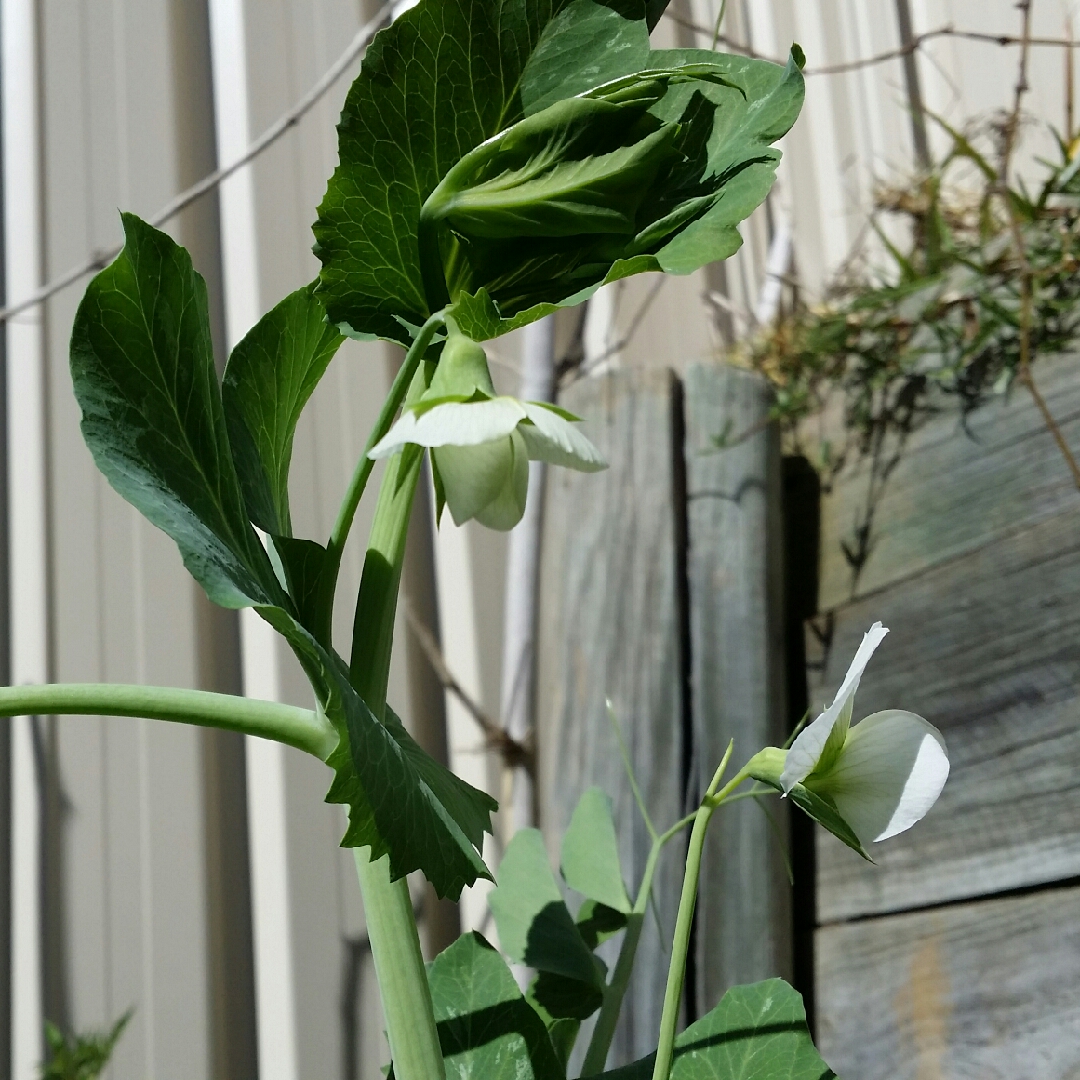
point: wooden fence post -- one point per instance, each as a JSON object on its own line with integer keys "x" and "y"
{"x": 735, "y": 593}
{"x": 646, "y": 593}
{"x": 609, "y": 627}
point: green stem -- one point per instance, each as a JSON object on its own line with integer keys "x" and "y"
{"x": 604, "y": 1032}
{"x": 677, "y": 968}
{"x": 301, "y": 728}
{"x": 391, "y": 925}
{"x": 335, "y": 546}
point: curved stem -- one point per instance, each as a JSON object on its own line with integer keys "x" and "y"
{"x": 301, "y": 728}
{"x": 335, "y": 546}
{"x": 687, "y": 901}
{"x": 604, "y": 1032}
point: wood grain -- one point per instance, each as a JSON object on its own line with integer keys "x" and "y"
{"x": 985, "y": 648}
{"x": 985, "y": 991}
{"x": 609, "y": 628}
{"x": 743, "y": 919}
{"x": 953, "y": 492}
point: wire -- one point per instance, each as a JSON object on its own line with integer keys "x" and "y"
{"x": 270, "y": 136}
{"x": 1001, "y": 40}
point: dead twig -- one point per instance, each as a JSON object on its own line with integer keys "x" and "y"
{"x": 515, "y": 755}
{"x": 1001, "y": 40}
{"x": 1028, "y": 277}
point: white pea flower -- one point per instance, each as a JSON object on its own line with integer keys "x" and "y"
{"x": 881, "y": 775}
{"x": 481, "y": 442}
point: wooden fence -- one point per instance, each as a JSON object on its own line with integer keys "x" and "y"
{"x": 663, "y": 589}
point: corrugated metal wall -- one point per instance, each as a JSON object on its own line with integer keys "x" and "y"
{"x": 145, "y": 828}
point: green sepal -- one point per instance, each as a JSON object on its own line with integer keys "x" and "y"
{"x": 767, "y": 765}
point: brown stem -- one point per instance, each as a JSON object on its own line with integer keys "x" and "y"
{"x": 515, "y": 754}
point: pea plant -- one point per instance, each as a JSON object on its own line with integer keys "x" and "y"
{"x": 499, "y": 159}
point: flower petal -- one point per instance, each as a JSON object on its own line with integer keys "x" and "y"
{"x": 807, "y": 750}
{"x": 890, "y": 772}
{"x": 474, "y": 476}
{"x": 508, "y": 507}
{"x": 552, "y": 438}
{"x": 466, "y": 423}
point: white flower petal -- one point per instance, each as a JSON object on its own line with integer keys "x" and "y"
{"x": 808, "y": 747}
{"x": 891, "y": 771}
{"x": 398, "y": 437}
{"x": 455, "y": 423}
{"x": 474, "y": 476}
{"x": 552, "y": 438}
{"x": 508, "y": 507}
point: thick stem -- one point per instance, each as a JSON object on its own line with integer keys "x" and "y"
{"x": 335, "y": 546}
{"x": 301, "y": 728}
{"x": 399, "y": 968}
{"x": 604, "y": 1032}
{"x": 391, "y": 925}
{"x": 687, "y": 901}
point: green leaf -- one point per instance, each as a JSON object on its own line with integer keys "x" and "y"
{"x": 588, "y": 43}
{"x": 445, "y": 76}
{"x": 459, "y": 74}
{"x": 536, "y": 928}
{"x": 598, "y": 922}
{"x": 757, "y": 1032}
{"x": 402, "y": 802}
{"x": 152, "y": 416}
{"x": 721, "y": 115}
{"x": 303, "y": 562}
{"x": 487, "y": 1030}
{"x": 590, "y": 853}
{"x": 268, "y": 380}
{"x": 143, "y": 373}
{"x": 740, "y": 152}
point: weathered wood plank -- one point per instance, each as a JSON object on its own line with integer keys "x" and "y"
{"x": 984, "y": 991}
{"x": 608, "y": 628}
{"x": 984, "y": 647}
{"x": 951, "y": 493}
{"x": 734, "y": 570}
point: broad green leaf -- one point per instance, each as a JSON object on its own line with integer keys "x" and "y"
{"x": 268, "y": 380}
{"x": 142, "y": 366}
{"x": 487, "y": 1030}
{"x": 445, "y": 76}
{"x": 152, "y": 416}
{"x": 302, "y": 563}
{"x": 757, "y": 1032}
{"x": 536, "y": 928}
{"x": 588, "y": 43}
{"x": 590, "y": 853}
{"x": 725, "y": 113}
{"x": 402, "y": 803}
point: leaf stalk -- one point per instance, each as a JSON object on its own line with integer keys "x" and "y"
{"x": 300, "y": 728}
